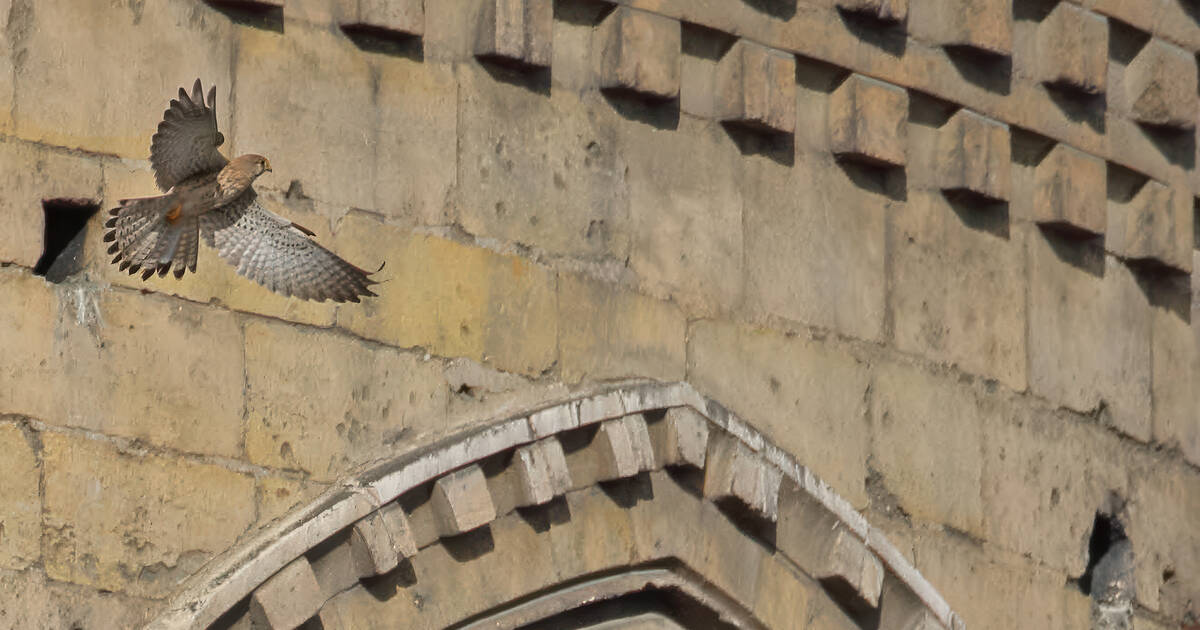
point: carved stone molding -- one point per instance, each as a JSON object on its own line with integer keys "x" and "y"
{"x": 464, "y": 492}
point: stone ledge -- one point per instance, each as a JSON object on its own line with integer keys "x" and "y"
{"x": 857, "y": 557}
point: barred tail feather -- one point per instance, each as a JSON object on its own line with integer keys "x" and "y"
{"x": 142, "y": 237}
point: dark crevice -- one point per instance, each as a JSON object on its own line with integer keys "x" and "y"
{"x": 64, "y": 236}
{"x": 1125, "y": 41}
{"x": 385, "y": 42}
{"x": 253, "y": 14}
{"x": 886, "y": 35}
{"x": 875, "y": 176}
{"x": 1079, "y": 106}
{"x": 656, "y": 111}
{"x": 782, "y": 9}
{"x": 705, "y": 42}
{"x": 779, "y": 147}
{"x": 988, "y": 70}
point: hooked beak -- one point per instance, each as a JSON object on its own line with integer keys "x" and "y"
{"x": 267, "y": 165}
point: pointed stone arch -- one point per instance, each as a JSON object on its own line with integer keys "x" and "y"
{"x": 646, "y": 503}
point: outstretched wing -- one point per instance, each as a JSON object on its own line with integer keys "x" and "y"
{"x": 279, "y": 254}
{"x": 187, "y": 139}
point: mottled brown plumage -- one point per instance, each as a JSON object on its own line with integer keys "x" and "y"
{"x": 205, "y": 194}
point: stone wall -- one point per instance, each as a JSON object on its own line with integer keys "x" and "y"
{"x": 938, "y": 251}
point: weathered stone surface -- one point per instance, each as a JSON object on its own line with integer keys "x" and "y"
{"x": 1163, "y": 499}
{"x": 1160, "y": 85}
{"x": 180, "y": 380}
{"x": 804, "y": 396}
{"x": 982, "y": 24}
{"x": 542, "y": 471}
{"x": 958, "y": 291}
{"x": 541, "y": 170}
{"x": 21, "y": 514}
{"x": 30, "y": 174}
{"x": 390, "y": 148}
{"x": 638, "y": 51}
{"x": 1069, "y": 190}
{"x": 928, "y": 442}
{"x": 901, "y": 609}
{"x": 520, "y": 31}
{"x": 685, "y": 215}
{"x": 372, "y": 546}
{"x": 812, "y": 537}
{"x": 29, "y": 317}
{"x": 783, "y": 595}
{"x": 610, "y": 332}
{"x": 1072, "y": 49}
{"x": 455, "y": 299}
{"x": 461, "y": 501}
{"x": 1044, "y": 477}
{"x": 884, "y": 10}
{"x": 868, "y": 121}
{"x": 1078, "y": 296}
{"x": 404, "y": 17}
{"x": 756, "y": 86}
{"x": 1155, "y": 225}
{"x": 979, "y": 584}
{"x": 153, "y": 33}
{"x": 137, "y": 524}
{"x": 976, "y": 156}
{"x": 372, "y": 399}
{"x": 681, "y": 438}
{"x": 278, "y": 495}
{"x": 733, "y": 471}
{"x": 29, "y": 600}
{"x": 796, "y": 246}
{"x": 1176, "y": 364}
{"x": 288, "y": 598}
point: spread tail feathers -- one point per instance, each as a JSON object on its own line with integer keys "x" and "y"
{"x": 148, "y": 235}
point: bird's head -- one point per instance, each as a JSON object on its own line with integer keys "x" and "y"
{"x": 253, "y": 164}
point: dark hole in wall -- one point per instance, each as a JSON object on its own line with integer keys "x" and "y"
{"x": 63, "y": 238}
{"x": 1108, "y": 536}
{"x": 1196, "y": 223}
{"x": 250, "y": 13}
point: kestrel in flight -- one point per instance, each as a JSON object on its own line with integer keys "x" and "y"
{"x": 210, "y": 196}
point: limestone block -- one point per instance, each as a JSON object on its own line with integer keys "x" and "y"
{"x": 1164, "y": 498}
{"x": 379, "y": 540}
{"x": 461, "y": 501}
{"x": 1155, "y": 225}
{"x": 28, "y": 175}
{"x": 336, "y": 567}
{"x": 552, "y": 420}
{"x": 976, "y": 156}
{"x": 639, "y": 440}
{"x": 620, "y": 452}
{"x": 375, "y": 394}
{"x": 1160, "y": 85}
{"x": 540, "y": 170}
{"x": 1078, "y": 295}
{"x": 97, "y": 501}
{"x": 868, "y": 121}
{"x": 883, "y": 10}
{"x": 519, "y": 31}
{"x": 403, "y": 17}
{"x": 681, "y": 438}
{"x": 1176, "y": 368}
{"x": 122, "y": 122}
{"x": 756, "y": 86}
{"x": 795, "y": 248}
{"x": 685, "y": 213}
{"x": 782, "y": 596}
{"x": 600, "y": 407}
{"x": 984, "y": 24}
{"x": 29, "y": 319}
{"x": 20, "y": 500}
{"x": 611, "y": 332}
{"x": 1072, "y": 49}
{"x": 287, "y": 599}
{"x": 734, "y": 471}
{"x": 541, "y": 472}
{"x": 29, "y": 600}
{"x": 1069, "y": 190}
{"x": 901, "y": 609}
{"x": 927, "y": 437}
{"x": 804, "y": 396}
{"x": 823, "y": 547}
{"x": 458, "y": 300}
{"x": 957, "y": 292}
{"x": 639, "y": 52}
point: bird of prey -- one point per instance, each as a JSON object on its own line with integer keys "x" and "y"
{"x": 207, "y": 195}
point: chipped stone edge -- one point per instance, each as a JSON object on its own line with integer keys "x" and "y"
{"x": 232, "y": 577}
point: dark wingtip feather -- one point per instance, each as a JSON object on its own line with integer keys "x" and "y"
{"x": 114, "y": 248}
{"x": 212, "y": 96}
{"x": 198, "y": 93}
{"x": 116, "y": 258}
{"x": 179, "y": 272}
{"x": 124, "y": 265}
{"x": 114, "y": 212}
{"x": 163, "y": 269}
{"x": 111, "y": 223}
{"x": 146, "y": 274}
{"x": 110, "y": 236}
